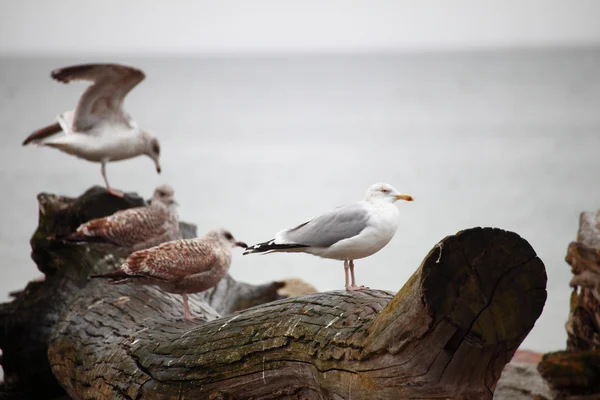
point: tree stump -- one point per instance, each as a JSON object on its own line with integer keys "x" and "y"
{"x": 576, "y": 371}
{"x": 446, "y": 334}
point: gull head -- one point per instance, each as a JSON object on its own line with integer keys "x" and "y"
{"x": 164, "y": 194}
{"x": 225, "y": 237}
{"x": 384, "y": 192}
{"x": 152, "y": 148}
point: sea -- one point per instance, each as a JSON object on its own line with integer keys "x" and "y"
{"x": 257, "y": 144}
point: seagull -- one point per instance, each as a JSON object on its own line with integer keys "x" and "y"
{"x": 346, "y": 233}
{"x": 136, "y": 228}
{"x": 99, "y": 130}
{"x": 181, "y": 266}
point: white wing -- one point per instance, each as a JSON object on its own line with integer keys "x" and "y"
{"x": 103, "y": 100}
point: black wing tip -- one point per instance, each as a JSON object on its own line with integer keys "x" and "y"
{"x": 113, "y": 276}
{"x": 28, "y": 140}
{"x": 79, "y": 238}
{"x": 63, "y": 74}
{"x": 66, "y": 74}
{"x": 68, "y": 239}
{"x": 270, "y": 245}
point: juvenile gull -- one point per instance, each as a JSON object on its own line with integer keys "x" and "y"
{"x": 135, "y": 228}
{"x": 182, "y": 266}
{"x": 99, "y": 130}
{"x": 346, "y": 233}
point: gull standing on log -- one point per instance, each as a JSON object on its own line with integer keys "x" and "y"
{"x": 136, "y": 228}
{"x": 182, "y": 266}
{"x": 346, "y": 233}
{"x": 99, "y": 130}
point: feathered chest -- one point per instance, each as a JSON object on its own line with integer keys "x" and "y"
{"x": 385, "y": 219}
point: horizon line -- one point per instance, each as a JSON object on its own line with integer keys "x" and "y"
{"x": 275, "y": 53}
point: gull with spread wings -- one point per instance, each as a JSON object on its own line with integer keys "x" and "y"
{"x": 99, "y": 130}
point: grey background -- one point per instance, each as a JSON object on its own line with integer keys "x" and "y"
{"x": 274, "y": 26}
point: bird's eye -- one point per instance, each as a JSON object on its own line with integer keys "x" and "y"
{"x": 228, "y": 236}
{"x": 162, "y": 194}
{"x": 156, "y": 149}
{"x": 385, "y": 190}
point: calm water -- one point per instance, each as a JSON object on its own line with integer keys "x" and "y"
{"x": 257, "y": 145}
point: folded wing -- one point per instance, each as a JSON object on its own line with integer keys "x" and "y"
{"x": 172, "y": 261}
{"x": 126, "y": 228}
{"x": 327, "y": 229}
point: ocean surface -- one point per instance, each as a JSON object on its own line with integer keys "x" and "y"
{"x": 256, "y": 145}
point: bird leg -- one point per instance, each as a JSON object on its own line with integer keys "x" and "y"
{"x": 114, "y": 192}
{"x": 353, "y": 285}
{"x": 346, "y": 267}
{"x": 186, "y": 308}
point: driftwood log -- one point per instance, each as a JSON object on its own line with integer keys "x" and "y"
{"x": 575, "y": 373}
{"x": 447, "y": 333}
{"x": 27, "y": 323}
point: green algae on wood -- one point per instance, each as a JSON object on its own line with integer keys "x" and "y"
{"x": 439, "y": 336}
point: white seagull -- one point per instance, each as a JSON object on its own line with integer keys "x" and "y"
{"x": 347, "y": 233}
{"x": 99, "y": 130}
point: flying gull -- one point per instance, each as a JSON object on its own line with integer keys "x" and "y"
{"x": 182, "y": 266}
{"x": 346, "y": 233}
{"x": 99, "y": 130}
{"x": 137, "y": 228}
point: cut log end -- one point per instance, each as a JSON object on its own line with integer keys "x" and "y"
{"x": 476, "y": 296}
{"x": 448, "y": 332}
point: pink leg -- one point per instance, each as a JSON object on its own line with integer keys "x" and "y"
{"x": 353, "y": 286}
{"x": 346, "y": 268}
{"x": 114, "y": 192}
{"x": 186, "y": 308}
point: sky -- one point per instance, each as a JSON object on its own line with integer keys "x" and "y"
{"x": 281, "y": 26}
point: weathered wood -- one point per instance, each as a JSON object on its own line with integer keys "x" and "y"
{"x": 26, "y": 323}
{"x": 447, "y": 333}
{"x": 576, "y": 372}
{"x": 583, "y": 255}
{"x": 572, "y": 374}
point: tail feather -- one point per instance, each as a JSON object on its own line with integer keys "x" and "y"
{"x": 270, "y": 247}
{"x": 42, "y": 133}
{"x": 118, "y": 276}
{"x": 78, "y": 237}
{"x": 114, "y": 276}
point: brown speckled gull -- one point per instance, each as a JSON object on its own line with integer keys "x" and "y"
{"x": 182, "y": 266}
{"x": 135, "y": 228}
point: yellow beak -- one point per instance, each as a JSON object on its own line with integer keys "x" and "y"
{"x": 406, "y": 197}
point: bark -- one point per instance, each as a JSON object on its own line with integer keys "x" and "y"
{"x": 583, "y": 325}
{"x": 572, "y": 374}
{"x": 576, "y": 372}
{"x": 447, "y": 333}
